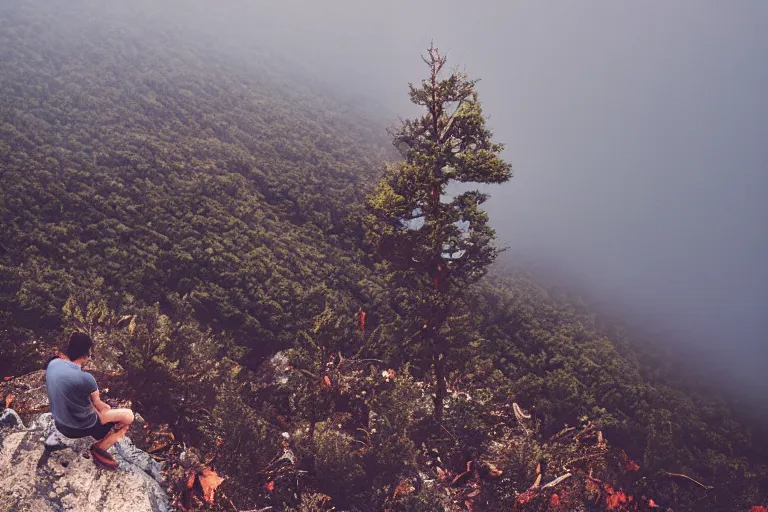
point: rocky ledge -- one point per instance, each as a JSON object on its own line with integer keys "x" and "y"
{"x": 40, "y": 471}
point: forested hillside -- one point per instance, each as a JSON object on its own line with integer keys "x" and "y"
{"x": 200, "y": 213}
{"x": 140, "y": 165}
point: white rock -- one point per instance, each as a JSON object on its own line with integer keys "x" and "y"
{"x": 35, "y": 479}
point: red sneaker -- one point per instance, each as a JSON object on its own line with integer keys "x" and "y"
{"x": 102, "y": 458}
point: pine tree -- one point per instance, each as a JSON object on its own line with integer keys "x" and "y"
{"x": 433, "y": 245}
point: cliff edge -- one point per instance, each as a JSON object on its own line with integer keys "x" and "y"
{"x": 40, "y": 472}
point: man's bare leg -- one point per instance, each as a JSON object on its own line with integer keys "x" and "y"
{"x": 122, "y": 418}
{"x": 112, "y": 438}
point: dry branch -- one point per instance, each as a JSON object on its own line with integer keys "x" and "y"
{"x": 679, "y": 475}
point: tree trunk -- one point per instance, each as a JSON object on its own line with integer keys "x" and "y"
{"x": 312, "y": 422}
{"x": 440, "y": 386}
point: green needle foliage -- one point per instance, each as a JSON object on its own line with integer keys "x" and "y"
{"x": 435, "y": 246}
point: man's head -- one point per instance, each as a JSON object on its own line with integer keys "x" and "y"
{"x": 79, "y": 346}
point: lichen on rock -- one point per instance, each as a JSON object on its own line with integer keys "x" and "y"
{"x": 36, "y": 478}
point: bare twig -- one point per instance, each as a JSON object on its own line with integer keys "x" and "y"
{"x": 556, "y": 481}
{"x": 447, "y": 432}
{"x": 679, "y": 475}
{"x": 591, "y": 455}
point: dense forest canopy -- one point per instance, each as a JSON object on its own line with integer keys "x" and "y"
{"x": 218, "y": 203}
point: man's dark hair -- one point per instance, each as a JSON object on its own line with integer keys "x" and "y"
{"x": 79, "y": 346}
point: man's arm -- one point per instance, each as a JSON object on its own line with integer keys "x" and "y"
{"x": 97, "y": 403}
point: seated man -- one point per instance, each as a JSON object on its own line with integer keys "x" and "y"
{"x": 75, "y": 404}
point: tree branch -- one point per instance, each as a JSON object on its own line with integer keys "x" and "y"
{"x": 679, "y": 475}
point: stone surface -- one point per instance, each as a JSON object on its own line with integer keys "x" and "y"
{"x": 35, "y": 479}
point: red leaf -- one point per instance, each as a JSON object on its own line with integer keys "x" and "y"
{"x": 652, "y": 504}
{"x": 526, "y": 496}
{"x": 493, "y": 471}
{"x": 614, "y": 500}
{"x": 191, "y": 480}
{"x": 629, "y": 464}
{"x": 758, "y": 508}
{"x": 362, "y": 320}
{"x": 554, "y": 501}
{"x": 403, "y": 488}
{"x": 474, "y": 493}
{"x": 209, "y": 481}
{"x": 270, "y": 486}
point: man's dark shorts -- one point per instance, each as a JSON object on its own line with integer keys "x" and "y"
{"x": 98, "y": 431}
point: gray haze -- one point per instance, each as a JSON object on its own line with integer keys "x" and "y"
{"x": 638, "y": 132}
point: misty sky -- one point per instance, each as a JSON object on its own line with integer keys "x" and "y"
{"x": 638, "y": 132}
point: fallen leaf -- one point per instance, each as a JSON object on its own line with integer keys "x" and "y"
{"x": 493, "y": 471}
{"x": 158, "y": 445}
{"x": 614, "y": 500}
{"x": 652, "y": 504}
{"x": 593, "y": 490}
{"x": 758, "y": 509}
{"x": 554, "y": 501}
{"x": 403, "y": 488}
{"x": 473, "y": 493}
{"x": 327, "y": 381}
{"x": 629, "y": 465}
{"x": 526, "y": 496}
{"x": 191, "y": 480}
{"x": 6, "y": 379}
{"x": 209, "y": 481}
{"x": 8, "y": 400}
{"x": 270, "y": 486}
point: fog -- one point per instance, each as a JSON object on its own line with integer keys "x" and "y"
{"x": 638, "y": 132}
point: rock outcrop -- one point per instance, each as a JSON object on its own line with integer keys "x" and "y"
{"x": 36, "y": 477}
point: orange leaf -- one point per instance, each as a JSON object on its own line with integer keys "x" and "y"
{"x": 209, "y": 481}
{"x": 614, "y": 500}
{"x": 327, "y": 381}
{"x": 191, "y": 480}
{"x": 404, "y": 488}
{"x": 473, "y": 493}
{"x": 493, "y": 471}
{"x": 629, "y": 464}
{"x": 8, "y": 401}
{"x": 270, "y": 486}
{"x": 158, "y": 446}
{"x": 652, "y": 504}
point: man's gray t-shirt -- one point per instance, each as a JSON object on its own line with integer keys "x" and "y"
{"x": 69, "y": 389}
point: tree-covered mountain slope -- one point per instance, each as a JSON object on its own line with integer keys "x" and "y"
{"x": 200, "y": 213}
{"x": 139, "y": 165}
